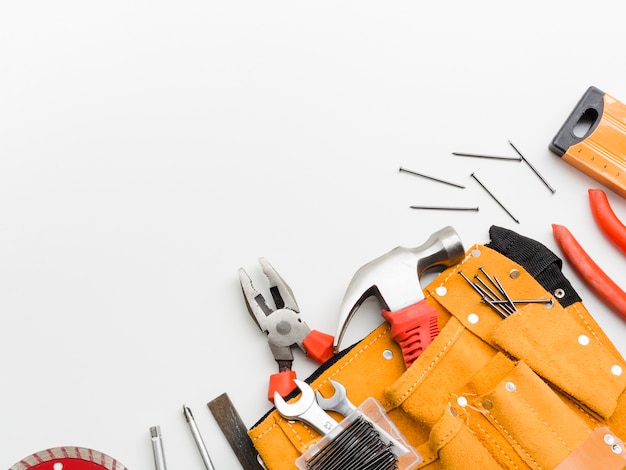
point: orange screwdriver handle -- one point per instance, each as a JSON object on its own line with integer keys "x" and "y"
{"x": 281, "y": 382}
{"x": 413, "y": 328}
{"x": 319, "y": 346}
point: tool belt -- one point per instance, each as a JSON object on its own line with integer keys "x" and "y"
{"x": 542, "y": 388}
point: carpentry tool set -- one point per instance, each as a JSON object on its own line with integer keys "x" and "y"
{"x": 516, "y": 374}
{"x": 495, "y": 363}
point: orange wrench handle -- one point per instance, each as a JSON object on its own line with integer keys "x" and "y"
{"x": 319, "y": 346}
{"x": 281, "y": 382}
{"x": 413, "y": 328}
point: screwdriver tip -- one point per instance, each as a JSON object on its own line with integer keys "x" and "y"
{"x": 187, "y": 413}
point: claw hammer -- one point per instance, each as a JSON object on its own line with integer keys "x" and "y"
{"x": 394, "y": 279}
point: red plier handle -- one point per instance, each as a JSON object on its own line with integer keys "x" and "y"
{"x": 318, "y": 346}
{"x": 595, "y": 278}
{"x": 607, "y": 220}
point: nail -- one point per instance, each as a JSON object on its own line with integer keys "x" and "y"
{"x": 491, "y": 157}
{"x": 445, "y": 208}
{"x": 404, "y": 170}
{"x": 494, "y": 198}
{"x": 543, "y": 180}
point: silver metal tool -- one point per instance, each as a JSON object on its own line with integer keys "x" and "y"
{"x": 157, "y": 448}
{"x": 283, "y": 326}
{"x": 236, "y": 432}
{"x": 338, "y": 402}
{"x": 197, "y": 437}
{"x": 306, "y": 409}
{"x": 394, "y": 279}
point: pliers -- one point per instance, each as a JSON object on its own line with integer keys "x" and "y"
{"x": 284, "y": 328}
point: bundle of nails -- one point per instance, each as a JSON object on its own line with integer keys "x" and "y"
{"x": 357, "y": 447}
{"x": 493, "y": 294}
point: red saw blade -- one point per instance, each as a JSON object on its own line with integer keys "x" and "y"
{"x": 68, "y": 458}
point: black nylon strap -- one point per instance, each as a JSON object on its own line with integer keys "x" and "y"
{"x": 537, "y": 259}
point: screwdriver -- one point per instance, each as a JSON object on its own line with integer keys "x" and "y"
{"x": 195, "y": 432}
{"x": 157, "y": 448}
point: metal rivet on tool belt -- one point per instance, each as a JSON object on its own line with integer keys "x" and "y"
{"x": 609, "y": 439}
{"x": 514, "y": 273}
{"x": 388, "y": 354}
{"x": 472, "y": 318}
{"x": 583, "y": 340}
{"x": 462, "y": 401}
{"x": 559, "y": 293}
{"x": 616, "y": 370}
{"x": 476, "y": 253}
{"x": 441, "y": 291}
{"x": 487, "y": 404}
{"x": 510, "y": 386}
{"x": 617, "y": 449}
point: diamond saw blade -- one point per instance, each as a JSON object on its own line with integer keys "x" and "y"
{"x": 68, "y": 458}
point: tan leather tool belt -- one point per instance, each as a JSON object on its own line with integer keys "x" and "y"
{"x": 541, "y": 388}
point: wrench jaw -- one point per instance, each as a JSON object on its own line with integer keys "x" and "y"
{"x": 338, "y": 401}
{"x": 305, "y": 409}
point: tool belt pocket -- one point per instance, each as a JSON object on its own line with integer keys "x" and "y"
{"x": 525, "y": 389}
{"x": 492, "y": 411}
{"x": 568, "y": 354}
{"x": 562, "y": 344}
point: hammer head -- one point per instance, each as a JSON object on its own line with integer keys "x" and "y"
{"x": 394, "y": 278}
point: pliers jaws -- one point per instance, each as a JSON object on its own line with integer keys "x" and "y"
{"x": 283, "y": 326}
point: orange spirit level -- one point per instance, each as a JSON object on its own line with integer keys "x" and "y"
{"x": 593, "y": 139}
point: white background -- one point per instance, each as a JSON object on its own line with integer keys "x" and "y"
{"x": 150, "y": 149}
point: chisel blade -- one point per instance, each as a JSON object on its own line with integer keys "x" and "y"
{"x": 235, "y": 431}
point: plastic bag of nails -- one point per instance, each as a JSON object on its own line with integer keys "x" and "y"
{"x": 367, "y": 438}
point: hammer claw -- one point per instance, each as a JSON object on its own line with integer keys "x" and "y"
{"x": 393, "y": 278}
